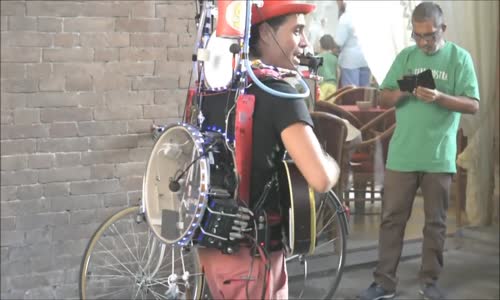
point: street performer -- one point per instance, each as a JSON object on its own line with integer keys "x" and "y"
{"x": 279, "y": 124}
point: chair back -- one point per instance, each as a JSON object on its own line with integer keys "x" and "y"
{"x": 331, "y": 97}
{"x": 351, "y": 96}
{"x": 334, "y": 109}
{"x": 331, "y": 132}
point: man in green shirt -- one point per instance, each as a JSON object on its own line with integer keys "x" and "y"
{"x": 423, "y": 149}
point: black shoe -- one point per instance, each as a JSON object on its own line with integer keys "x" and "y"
{"x": 431, "y": 291}
{"x": 376, "y": 292}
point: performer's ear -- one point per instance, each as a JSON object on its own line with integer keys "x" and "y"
{"x": 266, "y": 33}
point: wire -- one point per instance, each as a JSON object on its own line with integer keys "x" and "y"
{"x": 265, "y": 256}
{"x": 192, "y": 162}
{"x": 265, "y": 192}
{"x": 279, "y": 46}
{"x": 248, "y": 66}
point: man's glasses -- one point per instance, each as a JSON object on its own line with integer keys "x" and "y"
{"x": 428, "y": 37}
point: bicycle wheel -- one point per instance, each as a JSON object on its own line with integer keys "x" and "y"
{"x": 317, "y": 276}
{"x": 124, "y": 260}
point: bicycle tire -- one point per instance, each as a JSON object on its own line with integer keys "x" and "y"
{"x": 122, "y": 272}
{"x": 324, "y": 268}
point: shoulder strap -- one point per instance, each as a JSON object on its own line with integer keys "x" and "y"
{"x": 245, "y": 105}
{"x": 243, "y": 132}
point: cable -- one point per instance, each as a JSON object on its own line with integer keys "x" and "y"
{"x": 248, "y": 66}
{"x": 174, "y": 185}
{"x": 264, "y": 194}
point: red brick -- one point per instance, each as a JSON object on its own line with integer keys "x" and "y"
{"x": 26, "y": 116}
{"x": 65, "y": 114}
{"x": 105, "y": 39}
{"x": 180, "y": 54}
{"x": 13, "y": 8}
{"x": 142, "y": 54}
{"x": 26, "y": 39}
{"x": 89, "y": 25}
{"x": 68, "y": 55}
{"x": 112, "y": 81}
{"x": 153, "y": 40}
{"x": 129, "y": 97}
{"x": 156, "y": 83}
{"x": 106, "y": 54}
{"x": 118, "y": 112}
{"x": 19, "y": 85}
{"x": 66, "y": 40}
{"x": 79, "y": 83}
{"x": 51, "y": 99}
{"x": 131, "y": 68}
{"x": 176, "y": 9}
{"x": 49, "y": 24}
{"x": 139, "y": 25}
{"x": 105, "y": 9}
{"x": 52, "y": 84}
{"x": 39, "y": 70}
{"x": 20, "y": 54}
{"x": 12, "y": 70}
{"x": 22, "y": 23}
{"x": 143, "y": 9}
{"x": 53, "y": 8}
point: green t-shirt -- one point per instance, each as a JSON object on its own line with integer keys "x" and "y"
{"x": 329, "y": 68}
{"x": 425, "y": 135}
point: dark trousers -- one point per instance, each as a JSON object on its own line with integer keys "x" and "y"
{"x": 399, "y": 193}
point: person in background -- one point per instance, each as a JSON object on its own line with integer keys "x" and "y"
{"x": 329, "y": 68}
{"x": 315, "y": 32}
{"x": 422, "y": 151}
{"x": 279, "y": 125}
{"x": 353, "y": 66}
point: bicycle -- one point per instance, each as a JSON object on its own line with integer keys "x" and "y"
{"x": 124, "y": 260}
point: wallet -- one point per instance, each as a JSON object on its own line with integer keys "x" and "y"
{"x": 410, "y": 82}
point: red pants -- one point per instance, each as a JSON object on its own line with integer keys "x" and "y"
{"x": 226, "y": 275}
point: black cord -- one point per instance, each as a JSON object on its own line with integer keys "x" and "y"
{"x": 279, "y": 46}
{"x": 174, "y": 182}
{"x": 264, "y": 194}
{"x": 267, "y": 267}
{"x": 253, "y": 251}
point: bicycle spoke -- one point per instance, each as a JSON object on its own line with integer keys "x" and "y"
{"x": 125, "y": 262}
{"x": 316, "y": 275}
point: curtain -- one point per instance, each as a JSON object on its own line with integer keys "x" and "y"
{"x": 474, "y": 26}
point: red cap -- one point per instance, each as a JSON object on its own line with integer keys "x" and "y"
{"x": 275, "y": 8}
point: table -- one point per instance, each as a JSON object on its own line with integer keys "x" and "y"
{"x": 364, "y": 115}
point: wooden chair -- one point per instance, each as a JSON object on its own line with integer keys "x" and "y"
{"x": 359, "y": 156}
{"x": 334, "y": 109}
{"x": 331, "y": 132}
{"x": 368, "y": 159}
{"x": 331, "y": 97}
{"x": 351, "y": 96}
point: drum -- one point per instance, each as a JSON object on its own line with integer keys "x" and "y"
{"x": 218, "y": 66}
{"x": 187, "y": 172}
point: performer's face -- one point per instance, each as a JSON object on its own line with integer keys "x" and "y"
{"x": 283, "y": 45}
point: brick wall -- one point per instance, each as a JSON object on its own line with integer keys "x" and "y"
{"x": 81, "y": 84}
